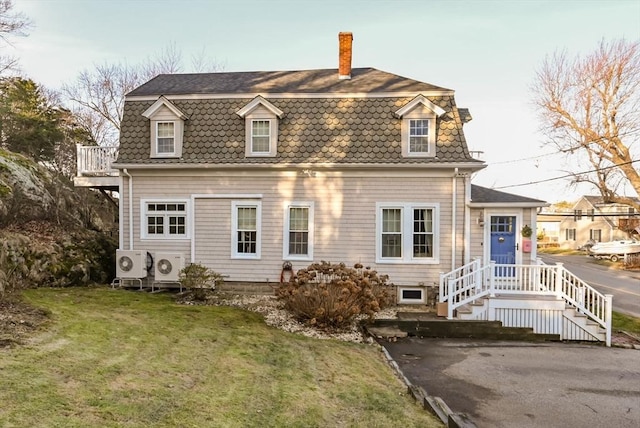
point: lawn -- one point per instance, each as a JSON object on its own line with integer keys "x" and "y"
{"x": 115, "y": 358}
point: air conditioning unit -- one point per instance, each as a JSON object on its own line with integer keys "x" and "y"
{"x": 131, "y": 264}
{"x": 167, "y": 266}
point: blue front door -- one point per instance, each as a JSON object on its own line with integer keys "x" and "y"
{"x": 503, "y": 243}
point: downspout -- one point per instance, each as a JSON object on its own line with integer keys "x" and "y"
{"x": 466, "y": 252}
{"x": 130, "y": 197}
{"x": 454, "y": 230}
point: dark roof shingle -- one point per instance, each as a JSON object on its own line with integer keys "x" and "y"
{"x": 481, "y": 194}
{"x": 363, "y": 80}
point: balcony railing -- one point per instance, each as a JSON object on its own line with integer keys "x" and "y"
{"x": 95, "y": 161}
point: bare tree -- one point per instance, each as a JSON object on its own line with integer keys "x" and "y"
{"x": 97, "y": 96}
{"x": 11, "y": 24}
{"x": 589, "y": 108}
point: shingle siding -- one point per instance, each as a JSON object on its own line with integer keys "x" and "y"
{"x": 316, "y": 130}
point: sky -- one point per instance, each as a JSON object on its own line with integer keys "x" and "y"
{"x": 487, "y": 51}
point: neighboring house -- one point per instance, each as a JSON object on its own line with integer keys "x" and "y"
{"x": 255, "y": 174}
{"x": 548, "y": 227}
{"x": 593, "y": 219}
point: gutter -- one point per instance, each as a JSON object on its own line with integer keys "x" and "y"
{"x": 477, "y": 165}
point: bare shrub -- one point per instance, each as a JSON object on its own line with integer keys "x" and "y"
{"x": 199, "y": 280}
{"x": 330, "y": 296}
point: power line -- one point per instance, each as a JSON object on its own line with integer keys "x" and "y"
{"x": 566, "y": 176}
{"x": 524, "y": 159}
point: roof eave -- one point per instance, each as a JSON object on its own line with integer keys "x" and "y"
{"x": 288, "y": 165}
{"x": 531, "y": 204}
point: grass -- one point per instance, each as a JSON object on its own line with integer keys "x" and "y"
{"x": 626, "y": 323}
{"x": 558, "y": 250}
{"x": 114, "y": 358}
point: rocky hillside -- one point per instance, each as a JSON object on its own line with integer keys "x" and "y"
{"x": 51, "y": 234}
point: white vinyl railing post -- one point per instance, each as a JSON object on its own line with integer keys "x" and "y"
{"x": 492, "y": 286}
{"x": 558, "y": 279}
{"x": 441, "y": 290}
{"x": 608, "y": 309}
{"x": 79, "y": 158}
{"x": 450, "y": 287}
{"x": 477, "y": 275}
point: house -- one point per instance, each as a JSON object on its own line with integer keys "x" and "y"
{"x": 258, "y": 174}
{"x": 593, "y": 219}
{"x": 548, "y": 227}
{"x": 245, "y": 171}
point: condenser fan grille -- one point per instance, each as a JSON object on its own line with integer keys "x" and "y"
{"x": 164, "y": 266}
{"x": 125, "y": 263}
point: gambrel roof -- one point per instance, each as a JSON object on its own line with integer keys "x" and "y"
{"x": 324, "y": 120}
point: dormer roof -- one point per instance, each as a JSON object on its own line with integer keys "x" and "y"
{"x": 419, "y": 100}
{"x": 163, "y": 102}
{"x": 259, "y": 101}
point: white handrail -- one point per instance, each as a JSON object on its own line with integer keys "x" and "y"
{"x": 96, "y": 160}
{"x": 472, "y": 281}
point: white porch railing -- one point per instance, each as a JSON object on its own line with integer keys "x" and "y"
{"x": 96, "y": 160}
{"x": 473, "y": 281}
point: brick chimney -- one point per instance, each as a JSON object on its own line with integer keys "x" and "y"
{"x": 344, "y": 63}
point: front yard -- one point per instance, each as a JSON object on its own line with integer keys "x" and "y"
{"x": 132, "y": 359}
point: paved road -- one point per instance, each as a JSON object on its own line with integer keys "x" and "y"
{"x": 624, "y": 285}
{"x": 517, "y": 384}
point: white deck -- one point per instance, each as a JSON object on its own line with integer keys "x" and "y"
{"x": 94, "y": 167}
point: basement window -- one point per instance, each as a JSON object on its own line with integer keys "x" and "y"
{"x": 411, "y": 295}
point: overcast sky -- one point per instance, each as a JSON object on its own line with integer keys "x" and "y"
{"x": 487, "y": 51}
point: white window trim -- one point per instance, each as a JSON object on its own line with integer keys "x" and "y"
{"x": 165, "y": 237}
{"x": 410, "y": 153}
{"x": 234, "y": 229}
{"x": 419, "y": 108}
{"x": 285, "y": 232}
{"x": 175, "y": 131}
{"x": 407, "y": 231}
{"x": 431, "y": 136}
{"x": 260, "y": 109}
{"x": 414, "y": 301}
{"x": 250, "y": 142}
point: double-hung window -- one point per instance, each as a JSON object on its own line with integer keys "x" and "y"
{"x": 166, "y": 123}
{"x": 570, "y": 234}
{"x": 298, "y": 233}
{"x": 407, "y": 233}
{"x": 595, "y": 235}
{"x": 165, "y": 138}
{"x": 260, "y": 136}
{"x": 418, "y": 136}
{"x": 246, "y": 219}
{"x": 261, "y": 127}
{"x": 164, "y": 219}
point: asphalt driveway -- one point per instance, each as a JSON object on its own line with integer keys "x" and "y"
{"x": 517, "y": 384}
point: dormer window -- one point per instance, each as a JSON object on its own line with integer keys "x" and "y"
{"x": 167, "y": 129}
{"x": 418, "y": 136}
{"x": 261, "y": 127}
{"x": 419, "y": 127}
{"x": 165, "y": 138}
{"x": 260, "y": 137}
